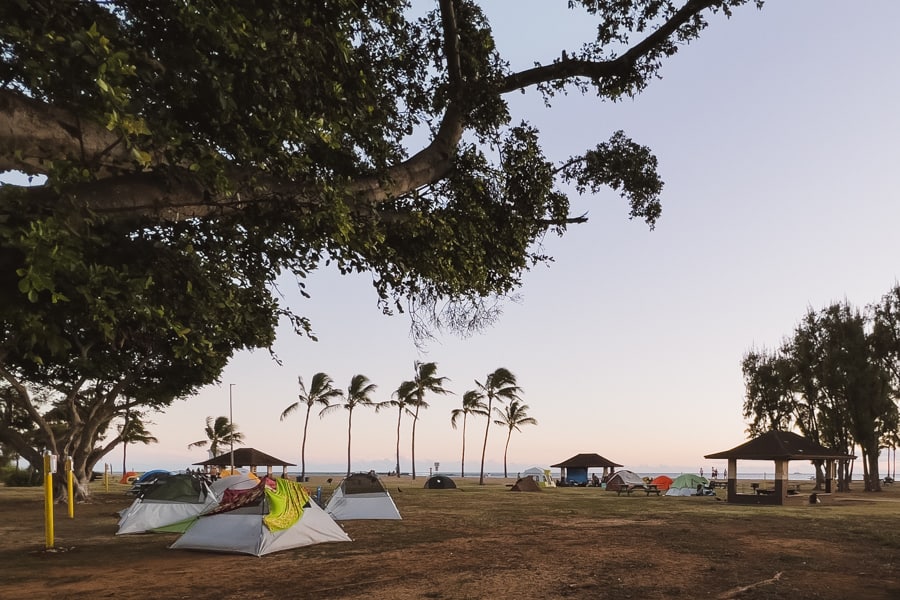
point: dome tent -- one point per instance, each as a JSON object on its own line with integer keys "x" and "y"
{"x": 623, "y": 479}
{"x": 361, "y": 496}
{"x": 686, "y": 485}
{"x": 439, "y": 482}
{"x": 277, "y": 514}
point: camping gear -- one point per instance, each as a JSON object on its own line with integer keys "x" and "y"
{"x": 624, "y": 479}
{"x": 277, "y": 514}
{"x": 686, "y": 485}
{"x": 361, "y": 496}
{"x": 439, "y": 482}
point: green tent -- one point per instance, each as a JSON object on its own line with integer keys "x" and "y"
{"x": 686, "y": 485}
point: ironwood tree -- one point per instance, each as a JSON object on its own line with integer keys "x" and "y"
{"x": 835, "y": 380}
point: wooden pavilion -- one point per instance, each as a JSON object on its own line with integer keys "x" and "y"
{"x": 248, "y": 457}
{"x": 575, "y": 469}
{"x": 780, "y": 447}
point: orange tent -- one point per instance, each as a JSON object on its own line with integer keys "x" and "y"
{"x": 129, "y": 477}
{"x": 662, "y": 482}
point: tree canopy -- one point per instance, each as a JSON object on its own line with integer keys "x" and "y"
{"x": 188, "y": 153}
{"x": 835, "y": 380}
{"x": 286, "y": 130}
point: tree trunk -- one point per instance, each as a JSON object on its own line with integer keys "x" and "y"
{"x": 820, "y": 475}
{"x": 415, "y": 420}
{"x": 303, "y": 446}
{"x": 399, "y": 416}
{"x": 349, "y": 425}
{"x": 870, "y": 467}
{"x": 487, "y": 428}
{"x": 462, "y": 464}
{"x": 505, "y": 451}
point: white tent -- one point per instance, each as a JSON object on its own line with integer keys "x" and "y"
{"x": 174, "y": 499}
{"x": 244, "y": 526}
{"x": 540, "y": 475}
{"x": 362, "y": 496}
{"x": 623, "y": 478}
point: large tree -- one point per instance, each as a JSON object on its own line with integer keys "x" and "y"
{"x": 513, "y": 416}
{"x": 498, "y": 386}
{"x": 835, "y": 380}
{"x": 401, "y": 399}
{"x": 264, "y": 139}
{"x": 221, "y": 435}
{"x": 425, "y": 381}
{"x": 133, "y": 430}
{"x": 472, "y": 404}
{"x": 290, "y": 128}
{"x": 321, "y": 391}
{"x": 359, "y": 393}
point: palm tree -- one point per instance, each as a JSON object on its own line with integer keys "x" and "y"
{"x": 515, "y": 415}
{"x": 499, "y": 385}
{"x": 472, "y": 404}
{"x": 426, "y": 380}
{"x": 218, "y": 433}
{"x": 357, "y": 395}
{"x": 401, "y": 400}
{"x": 132, "y": 431}
{"x": 321, "y": 391}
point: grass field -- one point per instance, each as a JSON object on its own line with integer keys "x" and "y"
{"x": 481, "y": 542}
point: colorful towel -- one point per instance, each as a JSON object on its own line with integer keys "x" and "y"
{"x": 286, "y": 503}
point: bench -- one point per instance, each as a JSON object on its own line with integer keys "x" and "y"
{"x": 761, "y": 491}
{"x": 650, "y": 489}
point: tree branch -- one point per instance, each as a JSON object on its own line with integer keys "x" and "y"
{"x": 622, "y": 66}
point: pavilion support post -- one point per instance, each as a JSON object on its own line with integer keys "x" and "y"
{"x": 781, "y": 480}
{"x": 732, "y": 479}
{"x": 829, "y": 476}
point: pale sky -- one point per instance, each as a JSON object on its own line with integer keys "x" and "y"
{"x": 777, "y": 137}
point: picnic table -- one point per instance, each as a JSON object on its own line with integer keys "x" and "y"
{"x": 628, "y": 489}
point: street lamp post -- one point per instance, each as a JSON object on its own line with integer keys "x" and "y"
{"x": 231, "y": 424}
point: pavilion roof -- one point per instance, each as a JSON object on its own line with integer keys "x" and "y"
{"x": 585, "y": 461}
{"x": 246, "y": 457}
{"x": 781, "y": 445}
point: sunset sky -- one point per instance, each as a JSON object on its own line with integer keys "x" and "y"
{"x": 777, "y": 136}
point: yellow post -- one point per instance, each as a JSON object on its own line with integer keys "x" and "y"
{"x": 106, "y": 473}
{"x": 48, "y": 499}
{"x": 70, "y": 487}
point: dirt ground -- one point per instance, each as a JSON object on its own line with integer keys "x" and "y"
{"x": 481, "y": 542}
